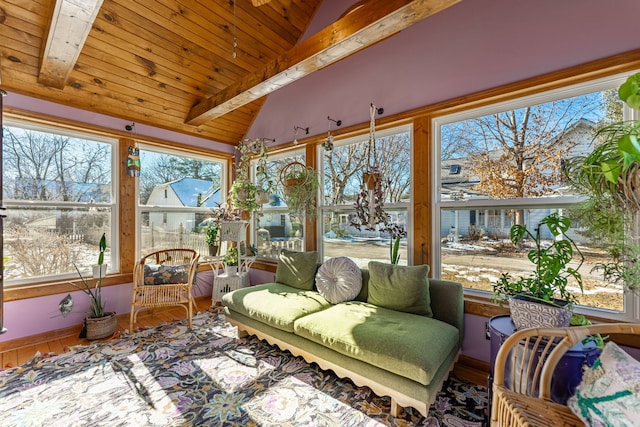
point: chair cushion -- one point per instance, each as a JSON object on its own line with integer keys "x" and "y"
{"x": 400, "y": 287}
{"x": 339, "y": 279}
{"x": 160, "y": 274}
{"x": 297, "y": 269}
{"x": 609, "y": 393}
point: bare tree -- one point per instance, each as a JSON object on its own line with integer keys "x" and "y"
{"x": 519, "y": 153}
{"x": 38, "y": 166}
{"x": 341, "y": 166}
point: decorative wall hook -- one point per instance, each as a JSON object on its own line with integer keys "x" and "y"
{"x": 130, "y": 127}
{"x": 328, "y": 144}
{"x": 295, "y": 133}
{"x": 337, "y": 122}
{"x": 378, "y": 110}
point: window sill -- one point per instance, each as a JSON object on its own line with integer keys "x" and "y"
{"x": 40, "y": 289}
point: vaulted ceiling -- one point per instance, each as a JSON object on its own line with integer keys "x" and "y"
{"x": 172, "y": 63}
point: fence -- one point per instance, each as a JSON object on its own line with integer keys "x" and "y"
{"x": 156, "y": 238}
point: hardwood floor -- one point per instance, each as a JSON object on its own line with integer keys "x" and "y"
{"x": 12, "y": 357}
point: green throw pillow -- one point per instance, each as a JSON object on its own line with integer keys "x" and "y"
{"x": 400, "y": 287}
{"x": 297, "y": 269}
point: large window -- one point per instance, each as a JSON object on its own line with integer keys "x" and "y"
{"x": 177, "y": 194}
{"x": 342, "y": 180}
{"x": 58, "y": 188}
{"x": 502, "y": 165}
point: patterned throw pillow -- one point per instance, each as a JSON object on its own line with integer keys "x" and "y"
{"x": 339, "y": 279}
{"x": 609, "y": 393}
{"x": 159, "y": 274}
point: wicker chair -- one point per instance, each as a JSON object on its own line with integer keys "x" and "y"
{"x": 163, "y": 279}
{"x": 529, "y": 358}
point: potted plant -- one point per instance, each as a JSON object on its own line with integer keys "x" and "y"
{"x": 300, "y": 188}
{"x": 99, "y": 323}
{"x": 231, "y": 260}
{"x": 542, "y": 298}
{"x": 211, "y": 237}
{"x": 244, "y": 194}
{"x": 610, "y": 177}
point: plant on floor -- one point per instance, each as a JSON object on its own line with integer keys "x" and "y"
{"x": 96, "y": 303}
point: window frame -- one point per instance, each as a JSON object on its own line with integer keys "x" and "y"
{"x": 289, "y": 152}
{"x": 388, "y": 130}
{"x": 114, "y": 205}
{"x": 631, "y": 311}
{"x": 175, "y": 151}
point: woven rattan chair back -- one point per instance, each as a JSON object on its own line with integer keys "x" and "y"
{"x": 154, "y": 295}
{"x": 524, "y": 369}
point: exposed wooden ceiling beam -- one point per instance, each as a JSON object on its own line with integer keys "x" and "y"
{"x": 365, "y": 26}
{"x": 70, "y": 24}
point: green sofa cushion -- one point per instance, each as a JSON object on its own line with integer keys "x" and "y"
{"x": 297, "y": 269}
{"x": 406, "y": 344}
{"x": 400, "y": 287}
{"x": 275, "y": 304}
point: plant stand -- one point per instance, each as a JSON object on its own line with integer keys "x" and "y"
{"x": 228, "y": 278}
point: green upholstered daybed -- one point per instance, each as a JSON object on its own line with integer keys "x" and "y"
{"x": 400, "y": 354}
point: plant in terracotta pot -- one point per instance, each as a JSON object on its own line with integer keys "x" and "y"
{"x": 211, "y": 237}
{"x": 245, "y": 194}
{"x": 98, "y": 323}
{"x": 300, "y": 188}
{"x": 547, "y": 287}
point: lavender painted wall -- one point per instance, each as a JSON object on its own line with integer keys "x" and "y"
{"x": 472, "y": 46}
{"x": 33, "y": 316}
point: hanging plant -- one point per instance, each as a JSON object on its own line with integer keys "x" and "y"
{"x": 300, "y": 185}
{"x": 369, "y": 203}
{"x": 244, "y": 194}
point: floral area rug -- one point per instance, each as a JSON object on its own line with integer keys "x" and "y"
{"x": 170, "y": 376}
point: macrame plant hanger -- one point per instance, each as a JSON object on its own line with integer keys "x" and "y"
{"x": 372, "y": 179}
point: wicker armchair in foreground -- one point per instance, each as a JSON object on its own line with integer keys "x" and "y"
{"x": 524, "y": 369}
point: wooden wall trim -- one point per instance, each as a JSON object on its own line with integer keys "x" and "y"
{"x": 40, "y": 289}
{"x": 422, "y": 184}
{"x": 127, "y": 200}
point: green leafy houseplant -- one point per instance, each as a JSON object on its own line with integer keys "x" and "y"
{"x": 211, "y": 237}
{"x": 301, "y": 187}
{"x": 549, "y": 280}
{"x": 231, "y": 257}
{"x": 96, "y": 307}
{"x": 245, "y": 194}
{"x": 610, "y": 177}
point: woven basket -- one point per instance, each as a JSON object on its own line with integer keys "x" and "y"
{"x": 101, "y": 327}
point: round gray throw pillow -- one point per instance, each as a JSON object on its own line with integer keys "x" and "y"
{"x": 339, "y": 279}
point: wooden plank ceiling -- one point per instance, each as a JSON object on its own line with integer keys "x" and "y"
{"x": 171, "y": 63}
